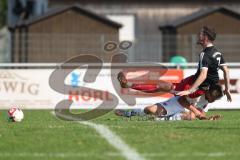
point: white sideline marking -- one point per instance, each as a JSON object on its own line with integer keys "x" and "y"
{"x": 113, "y": 139}
{"x": 195, "y": 154}
{"x": 38, "y": 154}
{"x": 112, "y": 154}
{"x": 55, "y": 155}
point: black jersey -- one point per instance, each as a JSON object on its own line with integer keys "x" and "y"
{"x": 212, "y": 59}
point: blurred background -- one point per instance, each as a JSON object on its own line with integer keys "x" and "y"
{"x": 55, "y": 30}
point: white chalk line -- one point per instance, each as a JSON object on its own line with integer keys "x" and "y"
{"x": 113, "y": 154}
{"x": 112, "y": 138}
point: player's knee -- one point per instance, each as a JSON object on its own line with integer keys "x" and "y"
{"x": 167, "y": 87}
{"x": 147, "y": 109}
{"x": 150, "y": 109}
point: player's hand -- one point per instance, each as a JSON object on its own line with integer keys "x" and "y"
{"x": 201, "y": 117}
{"x": 183, "y": 93}
{"x": 215, "y": 117}
{"x": 228, "y": 94}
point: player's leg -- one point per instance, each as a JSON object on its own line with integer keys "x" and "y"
{"x": 129, "y": 112}
{"x": 186, "y": 84}
{"x": 152, "y": 88}
{"x": 162, "y": 86}
{"x": 122, "y": 112}
{"x": 150, "y": 109}
{"x": 166, "y": 108}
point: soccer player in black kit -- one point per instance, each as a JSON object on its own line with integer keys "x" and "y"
{"x": 210, "y": 61}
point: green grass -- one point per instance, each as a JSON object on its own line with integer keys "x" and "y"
{"x": 42, "y": 136}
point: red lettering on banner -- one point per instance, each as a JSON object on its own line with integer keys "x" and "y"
{"x": 88, "y": 95}
{"x": 73, "y": 94}
{"x": 98, "y": 95}
{"x": 108, "y": 98}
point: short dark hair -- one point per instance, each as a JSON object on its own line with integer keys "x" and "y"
{"x": 216, "y": 91}
{"x": 209, "y": 32}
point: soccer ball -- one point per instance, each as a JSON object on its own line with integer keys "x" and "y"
{"x": 15, "y": 114}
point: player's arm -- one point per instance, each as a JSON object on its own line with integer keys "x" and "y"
{"x": 184, "y": 102}
{"x": 199, "y": 114}
{"x": 225, "y": 70}
{"x": 190, "y": 115}
{"x": 200, "y": 79}
{"x": 202, "y": 76}
{"x": 203, "y": 64}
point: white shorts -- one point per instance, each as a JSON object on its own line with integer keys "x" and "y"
{"x": 172, "y": 106}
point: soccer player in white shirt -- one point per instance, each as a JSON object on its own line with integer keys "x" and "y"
{"x": 177, "y": 106}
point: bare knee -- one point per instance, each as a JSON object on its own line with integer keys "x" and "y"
{"x": 165, "y": 86}
{"x": 150, "y": 109}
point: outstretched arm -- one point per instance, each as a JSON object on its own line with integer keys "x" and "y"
{"x": 184, "y": 102}
{"x": 200, "y": 115}
{"x": 192, "y": 116}
{"x": 195, "y": 112}
{"x": 226, "y": 82}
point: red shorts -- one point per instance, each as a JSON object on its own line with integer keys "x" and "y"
{"x": 186, "y": 84}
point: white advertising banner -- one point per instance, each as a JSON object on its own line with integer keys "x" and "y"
{"x": 27, "y": 88}
{"x": 30, "y": 89}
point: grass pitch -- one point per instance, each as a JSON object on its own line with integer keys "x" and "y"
{"x": 42, "y": 136}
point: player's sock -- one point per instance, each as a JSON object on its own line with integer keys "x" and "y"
{"x": 129, "y": 112}
{"x": 138, "y": 112}
{"x": 175, "y": 117}
{"x": 145, "y": 87}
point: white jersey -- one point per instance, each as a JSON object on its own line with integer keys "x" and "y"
{"x": 172, "y": 106}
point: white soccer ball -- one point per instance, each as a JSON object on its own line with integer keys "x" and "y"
{"x": 15, "y": 114}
